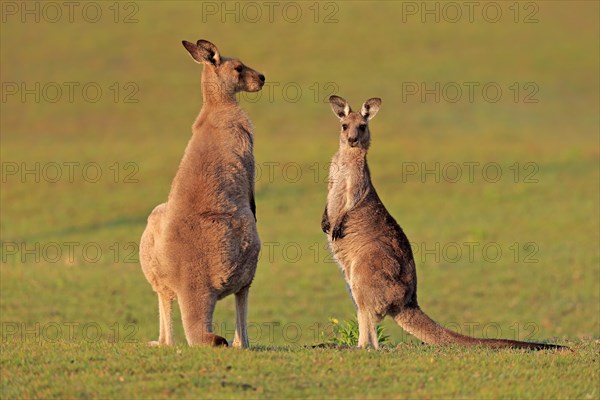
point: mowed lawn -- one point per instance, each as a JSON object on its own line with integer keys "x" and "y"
{"x": 485, "y": 150}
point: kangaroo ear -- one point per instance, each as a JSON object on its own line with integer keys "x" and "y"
{"x": 370, "y": 108}
{"x": 203, "y": 52}
{"x": 339, "y": 106}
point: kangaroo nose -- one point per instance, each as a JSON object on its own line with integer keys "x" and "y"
{"x": 261, "y": 77}
{"x": 352, "y": 140}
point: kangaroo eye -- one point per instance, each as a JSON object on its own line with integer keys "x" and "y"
{"x": 344, "y": 126}
{"x": 362, "y": 127}
{"x": 239, "y": 68}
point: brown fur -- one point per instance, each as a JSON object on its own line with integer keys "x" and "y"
{"x": 371, "y": 249}
{"x": 202, "y": 244}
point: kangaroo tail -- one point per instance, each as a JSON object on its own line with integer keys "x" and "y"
{"x": 418, "y": 324}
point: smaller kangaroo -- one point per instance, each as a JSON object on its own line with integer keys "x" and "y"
{"x": 202, "y": 244}
{"x": 371, "y": 249}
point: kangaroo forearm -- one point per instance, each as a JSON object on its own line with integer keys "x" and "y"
{"x": 253, "y": 205}
{"x": 339, "y": 226}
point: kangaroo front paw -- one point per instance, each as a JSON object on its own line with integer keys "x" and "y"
{"x": 325, "y": 226}
{"x": 338, "y": 232}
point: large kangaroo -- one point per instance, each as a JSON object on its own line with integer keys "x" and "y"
{"x": 202, "y": 244}
{"x": 371, "y": 249}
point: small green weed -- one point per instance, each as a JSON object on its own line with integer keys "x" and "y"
{"x": 346, "y": 333}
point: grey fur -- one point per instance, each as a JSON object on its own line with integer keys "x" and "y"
{"x": 371, "y": 249}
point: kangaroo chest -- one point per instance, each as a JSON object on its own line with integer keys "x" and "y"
{"x": 348, "y": 184}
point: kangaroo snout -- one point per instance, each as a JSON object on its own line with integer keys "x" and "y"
{"x": 256, "y": 82}
{"x": 352, "y": 140}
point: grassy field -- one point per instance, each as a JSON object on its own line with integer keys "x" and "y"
{"x": 486, "y": 150}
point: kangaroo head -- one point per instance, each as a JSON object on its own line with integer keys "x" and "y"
{"x": 223, "y": 76}
{"x": 355, "y": 125}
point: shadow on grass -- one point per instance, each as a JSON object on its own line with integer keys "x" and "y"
{"x": 567, "y": 347}
{"x": 290, "y": 349}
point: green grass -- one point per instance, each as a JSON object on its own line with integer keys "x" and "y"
{"x": 75, "y": 326}
{"x": 134, "y": 371}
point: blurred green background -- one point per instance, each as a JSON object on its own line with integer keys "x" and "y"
{"x": 123, "y": 145}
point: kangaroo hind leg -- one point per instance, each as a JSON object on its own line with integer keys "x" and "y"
{"x": 367, "y": 328}
{"x": 241, "y": 318}
{"x": 165, "y": 305}
{"x": 196, "y": 314}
